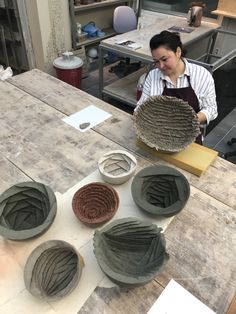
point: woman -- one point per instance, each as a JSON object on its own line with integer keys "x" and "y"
{"x": 175, "y": 76}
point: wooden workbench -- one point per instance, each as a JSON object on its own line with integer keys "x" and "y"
{"x": 36, "y": 144}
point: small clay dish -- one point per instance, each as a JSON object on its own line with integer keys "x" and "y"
{"x": 27, "y": 209}
{"x": 117, "y": 166}
{"x": 52, "y": 270}
{"x": 160, "y": 190}
{"x": 95, "y": 203}
{"x": 130, "y": 251}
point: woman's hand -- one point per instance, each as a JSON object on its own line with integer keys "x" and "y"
{"x": 201, "y": 117}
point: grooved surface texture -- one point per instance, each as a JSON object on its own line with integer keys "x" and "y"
{"x": 26, "y": 210}
{"x": 95, "y": 203}
{"x": 130, "y": 251}
{"x": 166, "y": 123}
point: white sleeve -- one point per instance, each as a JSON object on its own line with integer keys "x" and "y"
{"x": 207, "y": 96}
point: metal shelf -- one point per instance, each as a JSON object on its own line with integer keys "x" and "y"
{"x": 108, "y": 31}
{"x": 97, "y": 5}
{"x": 83, "y": 8}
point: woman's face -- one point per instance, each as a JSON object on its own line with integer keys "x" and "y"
{"x": 166, "y": 60}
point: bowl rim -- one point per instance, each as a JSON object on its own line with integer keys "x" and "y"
{"x": 116, "y": 151}
{"x": 153, "y": 170}
{"x": 101, "y": 219}
{"x": 163, "y": 98}
{"x": 35, "y": 254}
{"x": 33, "y": 232}
{"x": 118, "y": 277}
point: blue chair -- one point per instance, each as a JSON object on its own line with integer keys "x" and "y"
{"x": 124, "y": 20}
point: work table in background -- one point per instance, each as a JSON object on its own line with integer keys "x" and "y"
{"x": 35, "y": 144}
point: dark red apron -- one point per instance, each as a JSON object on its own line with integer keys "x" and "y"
{"x": 187, "y": 94}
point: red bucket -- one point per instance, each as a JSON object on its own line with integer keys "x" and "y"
{"x": 69, "y": 69}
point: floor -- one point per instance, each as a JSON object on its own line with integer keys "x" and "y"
{"x": 219, "y": 131}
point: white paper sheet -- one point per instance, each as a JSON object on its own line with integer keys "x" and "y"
{"x": 91, "y": 115}
{"x": 177, "y": 300}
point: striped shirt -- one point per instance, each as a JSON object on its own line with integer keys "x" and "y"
{"x": 201, "y": 81}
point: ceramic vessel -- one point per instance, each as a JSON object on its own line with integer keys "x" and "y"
{"x": 52, "y": 270}
{"x": 27, "y": 209}
{"x": 95, "y": 203}
{"x": 117, "y": 166}
{"x": 160, "y": 190}
{"x": 166, "y": 123}
{"x": 130, "y": 251}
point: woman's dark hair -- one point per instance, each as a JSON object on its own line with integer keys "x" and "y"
{"x": 168, "y": 39}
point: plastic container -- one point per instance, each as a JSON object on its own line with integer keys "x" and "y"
{"x": 69, "y": 68}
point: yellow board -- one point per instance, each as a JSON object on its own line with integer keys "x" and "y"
{"x": 195, "y": 158}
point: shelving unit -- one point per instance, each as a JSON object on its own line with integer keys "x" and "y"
{"x": 12, "y": 44}
{"x": 99, "y": 12}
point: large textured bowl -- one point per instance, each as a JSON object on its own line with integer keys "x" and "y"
{"x": 52, "y": 270}
{"x": 95, "y": 203}
{"x": 27, "y": 209}
{"x": 160, "y": 190}
{"x": 130, "y": 251}
{"x": 166, "y": 123}
{"x": 117, "y": 166}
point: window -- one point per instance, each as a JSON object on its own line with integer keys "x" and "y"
{"x": 178, "y": 6}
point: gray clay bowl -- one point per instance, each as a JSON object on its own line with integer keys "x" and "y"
{"x": 95, "y": 203}
{"x": 130, "y": 251}
{"x": 27, "y": 209}
{"x": 160, "y": 190}
{"x": 52, "y": 270}
{"x": 117, "y": 166}
{"x": 166, "y": 123}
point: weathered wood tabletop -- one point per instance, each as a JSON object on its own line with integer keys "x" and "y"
{"x": 36, "y": 144}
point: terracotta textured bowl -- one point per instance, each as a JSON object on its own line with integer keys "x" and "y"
{"x": 117, "y": 166}
{"x": 27, "y": 209}
{"x": 130, "y": 251}
{"x": 95, "y": 203}
{"x": 160, "y": 190}
{"x": 52, "y": 270}
{"x": 166, "y": 123}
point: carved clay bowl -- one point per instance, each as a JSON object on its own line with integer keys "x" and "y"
{"x": 95, "y": 203}
{"x": 27, "y": 209}
{"x": 130, "y": 251}
{"x": 166, "y": 123}
{"x": 117, "y": 166}
{"x": 160, "y": 190}
{"x": 52, "y": 270}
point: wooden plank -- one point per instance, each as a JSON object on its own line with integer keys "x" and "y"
{"x": 195, "y": 158}
{"x": 227, "y": 5}
{"x": 201, "y": 241}
{"x": 224, "y": 13}
{"x": 122, "y": 300}
{"x": 232, "y": 306}
{"x": 10, "y": 174}
{"x": 35, "y": 139}
{"x": 56, "y": 93}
